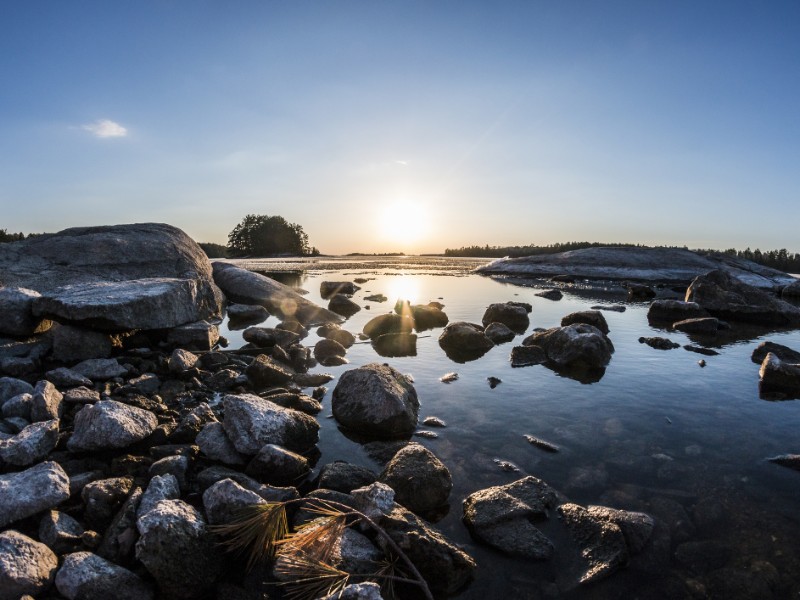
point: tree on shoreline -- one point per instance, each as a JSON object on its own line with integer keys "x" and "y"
{"x": 263, "y": 235}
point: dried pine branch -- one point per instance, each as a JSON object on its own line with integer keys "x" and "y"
{"x": 255, "y": 531}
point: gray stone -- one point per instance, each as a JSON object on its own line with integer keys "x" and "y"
{"x": 784, "y": 353}
{"x": 252, "y": 313}
{"x": 30, "y": 445}
{"x": 344, "y": 477}
{"x": 553, "y": 294}
{"x": 161, "y": 487}
{"x": 602, "y": 544}
{"x": 16, "y": 308}
{"x": 637, "y": 527}
{"x": 511, "y": 314}
{"x": 18, "y": 406}
{"x": 241, "y": 285}
{"x": 28, "y": 492}
{"x": 214, "y": 443}
{"x": 577, "y": 345}
{"x": 118, "y": 540}
{"x": 327, "y": 348}
{"x": 146, "y": 383}
{"x": 376, "y": 400}
{"x": 251, "y": 422}
{"x": 331, "y": 288}
{"x": 499, "y": 333}
{"x": 182, "y": 360}
{"x": 26, "y": 566}
{"x": 191, "y": 425}
{"x": 265, "y": 371}
{"x": 177, "y": 549}
{"x": 670, "y": 311}
{"x": 200, "y": 335}
{"x": 792, "y": 290}
{"x": 100, "y": 369}
{"x": 590, "y": 317}
{"x": 10, "y": 387}
{"x": 102, "y": 499}
{"x": 791, "y": 461}
{"x": 420, "y": 480}
{"x": 525, "y": 356}
{"x": 208, "y": 477}
{"x": 342, "y": 305}
{"x": 427, "y": 316}
{"x": 389, "y": 323}
{"x": 357, "y": 591}
{"x": 305, "y": 380}
{"x": 278, "y": 466}
{"x": 87, "y": 576}
{"x": 464, "y": 341}
{"x": 344, "y": 337}
{"x": 177, "y": 466}
{"x": 71, "y": 343}
{"x": 702, "y": 326}
{"x": 374, "y": 500}
{"x": 223, "y": 500}
{"x": 60, "y": 532}
{"x": 394, "y": 344}
{"x": 47, "y": 402}
{"x": 81, "y": 395}
{"x": 67, "y": 378}
{"x": 110, "y": 424}
{"x": 659, "y": 343}
{"x": 778, "y": 376}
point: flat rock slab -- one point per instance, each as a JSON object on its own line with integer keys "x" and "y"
{"x": 16, "y": 306}
{"x": 636, "y": 263}
{"x": 153, "y": 303}
{"x": 28, "y": 492}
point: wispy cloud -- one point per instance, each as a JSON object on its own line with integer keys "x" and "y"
{"x": 105, "y": 128}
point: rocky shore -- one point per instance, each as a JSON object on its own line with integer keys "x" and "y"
{"x": 130, "y": 438}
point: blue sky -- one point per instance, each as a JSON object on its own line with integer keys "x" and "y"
{"x": 407, "y": 126}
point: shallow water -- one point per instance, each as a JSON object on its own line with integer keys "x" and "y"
{"x": 657, "y": 433}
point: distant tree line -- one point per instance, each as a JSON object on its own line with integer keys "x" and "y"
{"x": 777, "y": 259}
{"x": 10, "y": 237}
{"x": 214, "y": 250}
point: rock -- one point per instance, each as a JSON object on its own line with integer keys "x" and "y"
{"x": 342, "y": 305}
{"x": 18, "y": 406}
{"x": 445, "y": 567}
{"x": 312, "y": 379}
{"x": 779, "y": 376}
{"x": 26, "y": 566}
{"x": 152, "y": 303}
{"x": 251, "y": 313}
{"x": 792, "y": 290}
{"x": 602, "y": 543}
{"x": 177, "y": 466}
{"x": 208, "y": 477}
{"x": 264, "y": 371}
{"x": 700, "y": 350}
{"x": 103, "y": 498}
{"x": 46, "y": 403}
{"x": 251, "y": 422}
{"x": 395, "y": 344}
{"x": 30, "y": 445}
{"x": 161, "y": 487}
{"x": 784, "y": 353}
{"x": 72, "y": 343}
{"x": 389, "y": 323}
{"x": 702, "y": 326}
{"x": 554, "y": 295}
{"x": 578, "y": 345}
{"x": 28, "y": 492}
{"x": 81, "y": 395}
{"x": 67, "y": 378}
{"x": 374, "y": 500}
{"x": 670, "y": 311}
{"x": 620, "y": 308}
{"x": 278, "y": 466}
{"x": 177, "y": 549}
{"x": 326, "y": 349}
{"x": 344, "y": 477}
{"x": 345, "y": 338}
{"x": 524, "y": 356}
{"x": 10, "y": 387}
{"x": 147, "y": 384}
{"x": 511, "y": 314}
{"x": 60, "y": 532}
{"x": 16, "y": 306}
{"x": 214, "y": 443}
{"x": 637, "y": 527}
{"x": 464, "y": 341}
{"x": 730, "y": 299}
{"x": 702, "y": 556}
{"x": 376, "y": 400}
{"x": 223, "y": 500}
{"x": 100, "y": 369}
{"x": 541, "y": 444}
{"x": 331, "y": 288}
{"x": 499, "y": 333}
{"x": 639, "y": 291}
{"x": 241, "y": 285}
{"x": 420, "y": 481}
{"x": 191, "y": 425}
{"x": 200, "y": 335}
{"x": 791, "y": 461}
{"x": 428, "y": 316}
{"x": 433, "y": 422}
{"x": 293, "y": 400}
{"x": 357, "y": 591}
{"x": 376, "y": 298}
{"x": 110, "y": 424}
{"x": 589, "y": 317}
{"x": 118, "y": 540}
{"x": 659, "y": 343}
{"x": 86, "y": 576}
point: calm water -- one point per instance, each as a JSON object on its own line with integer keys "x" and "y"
{"x": 657, "y": 433}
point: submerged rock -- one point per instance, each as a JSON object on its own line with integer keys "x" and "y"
{"x": 420, "y": 480}
{"x": 395, "y": 344}
{"x": 791, "y": 461}
{"x": 553, "y": 294}
{"x": 701, "y": 326}
{"x": 601, "y": 542}
{"x": 331, "y": 288}
{"x": 670, "y": 311}
{"x": 659, "y": 343}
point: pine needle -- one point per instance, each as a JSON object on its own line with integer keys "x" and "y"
{"x": 316, "y": 540}
{"x": 308, "y": 578}
{"x": 255, "y": 531}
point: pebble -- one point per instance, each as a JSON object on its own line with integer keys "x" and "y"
{"x": 448, "y": 377}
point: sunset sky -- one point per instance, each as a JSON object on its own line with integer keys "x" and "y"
{"x": 407, "y": 126}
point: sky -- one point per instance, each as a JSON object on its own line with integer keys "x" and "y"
{"x": 407, "y": 126}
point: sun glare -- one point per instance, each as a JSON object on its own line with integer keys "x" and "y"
{"x": 403, "y": 287}
{"x": 404, "y": 224}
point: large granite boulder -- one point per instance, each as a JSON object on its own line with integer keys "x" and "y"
{"x": 26, "y": 566}
{"x": 241, "y": 285}
{"x": 590, "y": 317}
{"x": 574, "y": 346}
{"x": 86, "y": 576}
{"x": 728, "y": 298}
{"x": 28, "y": 492}
{"x": 16, "y": 310}
{"x": 109, "y": 424}
{"x": 251, "y": 422}
{"x": 513, "y": 315}
{"x": 376, "y": 400}
{"x": 420, "y": 480}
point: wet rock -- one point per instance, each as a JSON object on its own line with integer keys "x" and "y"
{"x": 10, "y": 387}
{"x": 670, "y": 311}
{"x": 389, "y": 323}
{"x": 223, "y": 500}
{"x": 326, "y": 349}
{"x": 784, "y": 353}
{"x": 701, "y": 326}
{"x": 589, "y": 317}
{"x": 357, "y": 591}
{"x": 252, "y": 313}
{"x": 208, "y": 477}
{"x": 30, "y": 445}
{"x": 620, "y": 308}
{"x": 376, "y": 298}
{"x": 637, "y": 527}
{"x": 26, "y": 566}
{"x": 428, "y": 316}
{"x": 247, "y": 287}
{"x": 511, "y": 314}
{"x": 464, "y": 341}
{"x": 659, "y": 343}
{"x": 779, "y": 376}
{"x": 103, "y": 498}
{"x": 550, "y": 294}
{"x": 110, "y": 424}
{"x": 46, "y": 403}
{"x": 577, "y": 345}
{"x": 524, "y": 356}
{"x": 87, "y": 576}
{"x": 376, "y": 400}
{"x": 727, "y": 298}
{"x": 791, "y": 461}
{"x": 67, "y": 378}
{"x": 199, "y": 335}
{"x": 541, "y": 444}
{"x": 100, "y": 369}
{"x": 301, "y": 402}
{"x": 161, "y": 487}
{"x": 344, "y": 477}
{"x": 601, "y": 542}
{"x": 502, "y": 517}
{"x": 420, "y": 480}
{"x": 639, "y": 291}
{"x": 278, "y": 466}
{"x": 214, "y": 443}
{"x": 342, "y": 305}
{"x": 28, "y": 492}
{"x": 445, "y": 567}
{"x": 251, "y": 422}
{"x": 177, "y": 549}
{"x": 264, "y": 372}
{"x": 499, "y": 333}
{"x": 312, "y": 379}
{"x": 331, "y": 288}
{"x": 395, "y": 344}
{"x": 16, "y": 306}
{"x": 494, "y": 381}
{"x": 177, "y": 466}
{"x": 700, "y": 350}
{"x": 118, "y": 540}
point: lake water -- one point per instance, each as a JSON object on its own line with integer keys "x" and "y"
{"x": 658, "y": 433}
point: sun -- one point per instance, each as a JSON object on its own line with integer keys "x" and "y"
{"x": 404, "y": 223}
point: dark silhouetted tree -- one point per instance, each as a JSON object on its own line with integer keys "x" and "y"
{"x": 263, "y": 235}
